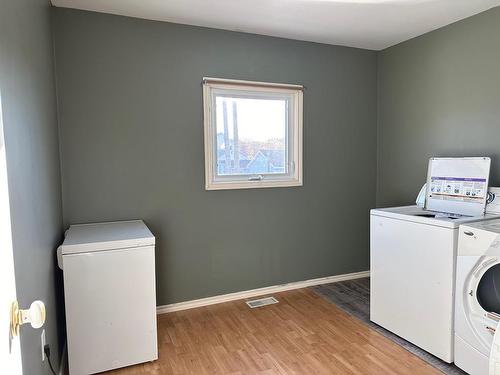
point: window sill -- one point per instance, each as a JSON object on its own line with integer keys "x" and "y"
{"x": 252, "y": 184}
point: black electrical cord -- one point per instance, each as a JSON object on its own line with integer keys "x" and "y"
{"x": 46, "y": 350}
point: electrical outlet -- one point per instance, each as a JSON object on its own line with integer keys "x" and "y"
{"x": 42, "y": 338}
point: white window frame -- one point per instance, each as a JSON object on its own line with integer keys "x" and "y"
{"x": 212, "y": 86}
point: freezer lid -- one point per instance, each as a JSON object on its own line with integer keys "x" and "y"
{"x": 83, "y": 238}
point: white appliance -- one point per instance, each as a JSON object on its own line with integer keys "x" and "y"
{"x": 109, "y": 291}
{"x": 477, "y": 309}
{"x": 412, "y": 269}
{"x": 413, "y": 253}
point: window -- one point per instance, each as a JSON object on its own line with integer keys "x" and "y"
{"x": 253, "y": 134}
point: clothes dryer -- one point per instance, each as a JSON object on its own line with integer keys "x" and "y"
{"x": 477, "y": 301}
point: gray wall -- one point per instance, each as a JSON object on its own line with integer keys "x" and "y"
{"x": 438, "y": 95}
{"x": 131, "y": 132}
{"x": 31, "y": 139}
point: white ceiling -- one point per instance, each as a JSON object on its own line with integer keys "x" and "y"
{"x": 372, "y": 24}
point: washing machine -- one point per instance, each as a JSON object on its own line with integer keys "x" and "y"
{"x": 477, "y": 309}
{"x": 413, "y": 253}
{"x": 412, "y": 268}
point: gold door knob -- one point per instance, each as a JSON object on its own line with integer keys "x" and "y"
{"x": 35, "y": 315}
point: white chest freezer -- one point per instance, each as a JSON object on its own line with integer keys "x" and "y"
{"x": 110, "y": 298}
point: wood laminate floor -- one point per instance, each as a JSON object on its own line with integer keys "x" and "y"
{"x": 302, "y": 334}
{"x": 353, "y": 296}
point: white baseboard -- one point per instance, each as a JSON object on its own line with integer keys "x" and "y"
{"x": 257, "y": 292}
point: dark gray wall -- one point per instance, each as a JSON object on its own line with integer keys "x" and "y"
{"x": 438, "y": 95}
{"x": 131, "y": 132}
{"x": 31, "y": 140}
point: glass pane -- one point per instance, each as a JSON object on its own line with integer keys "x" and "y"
{"x": 251, "y": 135}
{"x": 488, "y": 290}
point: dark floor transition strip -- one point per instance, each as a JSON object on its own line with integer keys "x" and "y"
{"x": 353, "y": 296}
